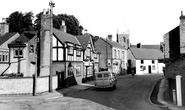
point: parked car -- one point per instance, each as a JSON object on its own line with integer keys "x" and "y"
{"x": 105, "y": 79}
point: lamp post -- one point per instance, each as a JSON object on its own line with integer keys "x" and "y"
{"x": 51, "y": 4}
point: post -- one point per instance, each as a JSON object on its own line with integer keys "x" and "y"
{"x": 51, "y": 4}
{"x": 174, "y": 96}
{"x": 35, "y": 75}
{"x": 106, "y": 55}
{"x": 178, "y": 88}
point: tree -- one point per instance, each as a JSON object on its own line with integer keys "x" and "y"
{"x": 71, "y": 22}
{"x": 19, "y": 22}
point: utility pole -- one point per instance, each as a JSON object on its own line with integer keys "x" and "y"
{"x": 51, "y": 4}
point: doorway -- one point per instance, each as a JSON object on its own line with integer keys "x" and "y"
{"x": 149, "y": 69}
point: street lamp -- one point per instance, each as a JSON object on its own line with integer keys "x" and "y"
{"x": 51, "y": 4}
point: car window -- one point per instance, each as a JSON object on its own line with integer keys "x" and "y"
{"x": 106, "y": 75}
{"x": 99, "y": 76}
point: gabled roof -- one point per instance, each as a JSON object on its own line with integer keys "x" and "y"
{"x": 65, "y": 37}
{"x": 113, "y": 43}
{"x": 25, "y": 37}
{"x": 84, "y": 40}
{"x": 7, "y": 36}
{"x": 146, "y": 54}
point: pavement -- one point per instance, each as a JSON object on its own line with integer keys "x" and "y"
{"x": 81, "y": 87}
{"x": 48, "y": 95}
{"x": 162, "y": 88}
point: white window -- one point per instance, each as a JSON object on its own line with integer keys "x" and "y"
{"x": 78, "y": 53}
{"x": 118, "y": 54}
{"x": 70, "y": 50}
{"x": 18, "y": 52}
{"x": 153, "y": 67}
{"x": 78, "y": 71}
{"x": 60, "y": 54}
{"x": 123, "y": 55}
{"x": 115, "y": 53}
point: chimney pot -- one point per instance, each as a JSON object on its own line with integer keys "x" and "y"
{"x": 63, "y": 26}
{"x": 110, "y": 37}
{"x": 44, "y": 11}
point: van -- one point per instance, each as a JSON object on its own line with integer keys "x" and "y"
{"x": 105, "y": 79}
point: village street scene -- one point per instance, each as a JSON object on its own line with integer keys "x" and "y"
{"x": 50, "y": 61}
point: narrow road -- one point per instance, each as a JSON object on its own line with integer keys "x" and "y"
{"x": 132, "y": 93}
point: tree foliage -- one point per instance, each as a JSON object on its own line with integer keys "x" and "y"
{"x": 19, "y": 22}
{"x": 71, "y": 22}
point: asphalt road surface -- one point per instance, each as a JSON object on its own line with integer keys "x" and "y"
{"x": 132, "y": 93}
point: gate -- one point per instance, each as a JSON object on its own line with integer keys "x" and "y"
{"x": 61, "y": 79}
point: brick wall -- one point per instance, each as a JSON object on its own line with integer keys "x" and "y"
{"x": 174, "y": 43}
{"x": 100, "y": 45}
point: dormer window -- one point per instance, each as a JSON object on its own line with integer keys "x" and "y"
{"x": 18, "y": 52}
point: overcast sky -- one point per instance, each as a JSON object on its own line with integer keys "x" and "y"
{"x": 146, "y": 20}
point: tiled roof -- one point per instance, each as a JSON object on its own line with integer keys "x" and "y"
{"x": 113, "y": 43}
{"x": 84, "y": 40}
{"x": 7, "y": 36}
{"x": 147, "y": 46}
{"x": 25, "y": 37}
{"x": 146, "y": 54}
{"x": 65, "y": 37}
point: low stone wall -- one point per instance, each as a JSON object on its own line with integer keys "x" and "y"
{"x": 24, "y": 85}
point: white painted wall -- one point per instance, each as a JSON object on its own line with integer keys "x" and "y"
{"x": 158, "y": 67}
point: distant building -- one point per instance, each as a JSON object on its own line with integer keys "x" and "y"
{"x": 124, "y": 40}
{"x": 145, "y": 61}
{"x": 113, "y": 55}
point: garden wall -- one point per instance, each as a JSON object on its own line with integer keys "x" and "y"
{"x": 24, "y": 85}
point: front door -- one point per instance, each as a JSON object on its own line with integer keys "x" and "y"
{"x": 149, "y": 69}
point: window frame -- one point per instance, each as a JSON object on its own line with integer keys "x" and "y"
{"x": 18, "y": 52}
{"x": 142, "y": 61}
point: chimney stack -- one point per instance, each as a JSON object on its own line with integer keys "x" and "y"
{"x": 110, "y": 37}
{"x": 4, "y": 27}
{"x": 63, "y": 26}
{"x": 139, "y": 45}
{"x": 182, "y": 33}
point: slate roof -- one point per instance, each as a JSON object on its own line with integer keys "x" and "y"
{"x": 113, "y": 43}
{"x": 24, "y": 37}
{"x": 84, "y": 40}
{"x": 65, "y": 37}
{"x": 147, "y": 46}
{"x": 7, "y": 36}
{"x": 146, "y": 54}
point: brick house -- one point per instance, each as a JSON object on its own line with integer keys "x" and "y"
{"x": 5, "y": 39}
{"x": 174, "y": 49}
{"x": 113, "y": 55}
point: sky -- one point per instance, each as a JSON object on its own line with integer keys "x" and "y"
{"x": 145, "y": 20}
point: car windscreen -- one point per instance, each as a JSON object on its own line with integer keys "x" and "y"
{"x": 99, "y": 75}
{"x": 106, "y": 75}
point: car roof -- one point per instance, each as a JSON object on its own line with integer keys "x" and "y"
{"x": 102, "y": 72}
